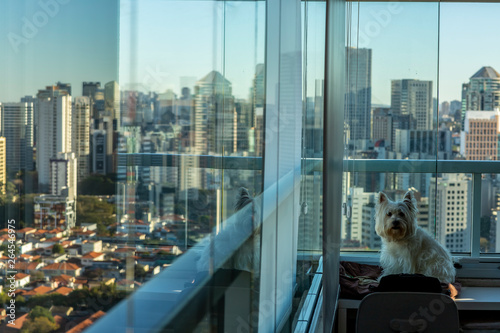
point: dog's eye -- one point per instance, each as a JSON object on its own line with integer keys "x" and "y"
{"x": 389, "y": 214}
{"x": 401, "y": 214}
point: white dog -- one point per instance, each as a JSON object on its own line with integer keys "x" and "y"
{"x": 407, "y": 248}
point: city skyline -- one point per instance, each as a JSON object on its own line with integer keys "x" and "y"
{"x": 416, "y": 58}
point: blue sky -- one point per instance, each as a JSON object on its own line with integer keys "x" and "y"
{"x": 404, "y": 40}
{"x": 72, "y": 41}
{"x": 93, "y": 40}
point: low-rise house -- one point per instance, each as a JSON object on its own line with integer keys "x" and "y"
{"x": 41, "y": 290}
{"x": 92, "y": 246}
{"x": 86, "y": 235}
{"x": 55, "y": 258}
{"x": 22, "y": 233}
{"x": 74, "y": 250}
{"x": 21, "y": 279}
{"x": 65, "y": 291}
{"x": 62, "y": 268}
{"x": 28, "y": 267}
{"x": 25, "y": 247}
{"x": 89, "y": 258}
{"x": 64, "y": 280}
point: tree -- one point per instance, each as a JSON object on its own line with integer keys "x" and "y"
{"x": 57, "y": 249}
{"x": 39, "y": 325}
{"x": 39, "y": 311}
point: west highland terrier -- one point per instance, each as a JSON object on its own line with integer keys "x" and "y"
{"x": 407, "y": 248}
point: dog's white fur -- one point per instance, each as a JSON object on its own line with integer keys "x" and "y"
{"x": 407, "y": 248}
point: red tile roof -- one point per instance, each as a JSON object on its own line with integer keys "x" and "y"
{"x": 63, "y": 291}
{"x": 61, "y": 266}
{"x": 87, "y": 322}
{"x": 20, "y": 276}
{"x": 42, "y": 290}
{"x": 92, "y": 255}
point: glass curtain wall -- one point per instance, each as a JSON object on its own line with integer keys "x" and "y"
{"x": 422, "y": 116}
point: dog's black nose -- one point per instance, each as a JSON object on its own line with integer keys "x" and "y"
{"x": 395, "y": 223}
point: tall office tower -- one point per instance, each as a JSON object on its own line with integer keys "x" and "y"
{"x": 413, "y": 98}
{"x": 89, "y": 88}
{"x": 369, "y": 237}
{"x": 17, "y": 128}
{"x": 352, "y": 226}
{"x": 112, "y": 103}
{"x": 382, "y": 126}
{"x": 479, "y": 139}
{"x": 98, "y": 157}
{"x": 452, "y": 208}
{"x": 359, "y": 92}
{"x": 146, "y": 149}
{"x": 3, "y": 164}
{"x": 243, "y": 114}
{"x": 81, "y": 134}
{"x": 54, "y": 134}
{"x": 64, "y": 86}
{"x": 32, "y": 126}
{"x": 482, "y": 93}
{"x": 257, "y": 96}
{"x": 445, "y": 109}
{"x": 483, "y": 90}
{"x": 257, "y": 92}
{"x": 214, "y": 115}
{"x": 63, "y": 175}
{"x": 455, "y": 106}
{"x": 423, "y": 144}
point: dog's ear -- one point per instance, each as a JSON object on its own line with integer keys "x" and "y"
{"x": 409, "y": 199}
{"x": 382, "y": 197}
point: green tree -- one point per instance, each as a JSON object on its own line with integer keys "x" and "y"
{"x": 97, "y": 185}
{"x": 39, "y": 311}
{"x": 57, "y": 249}
{"x": 39, "y": 325}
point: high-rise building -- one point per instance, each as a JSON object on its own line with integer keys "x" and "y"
{"x": 413, "y": 98}
{"x": 89, "y": 88}
{"x": 99, "y": 152}
{"x": 382, "y": 126}
{"x": 17, "y": 128}
{"x": 81, "y": 134}
{"x": 112, "y": 103}
{"x": 54, "y": 130}
{"x": 352, "y": 225}
{"x": 452, "y": 209}
{"x": 425, "y": 143}
{"x": 482, "y": 92}
{"x": 369, "y": 237}
{"x": 445, "y": 109}
{"x": 31, "y": 128}
{"x": 214, "y": 115}
{"x": 479, "y": 139}
{"x": 359, "y": 92}
{"x": 63, "y": 175}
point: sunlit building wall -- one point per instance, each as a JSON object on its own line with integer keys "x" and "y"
{"x": 413, "y": 98}
{"x": 54, "y": 130}
{"x": 479, "y": 140}
{"x": 452, "y": 209}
